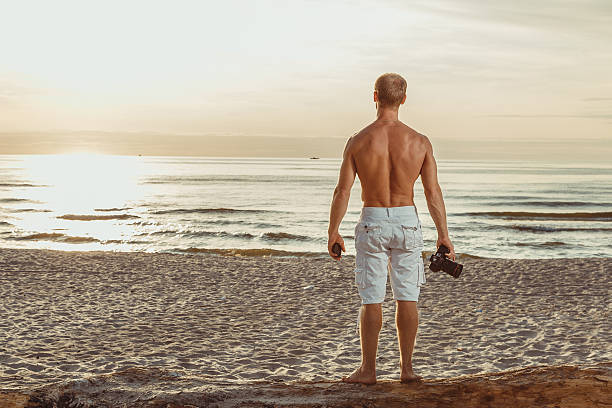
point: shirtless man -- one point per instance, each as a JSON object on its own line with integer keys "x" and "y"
{"x": 388, "y": 157}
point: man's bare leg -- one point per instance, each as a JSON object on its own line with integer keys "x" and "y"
{"x": 407, "y": 322}
{"x": 369, "y": 327}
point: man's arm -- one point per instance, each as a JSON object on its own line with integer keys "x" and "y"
{"x": 435, "y": 201}
{"x": 342, "y": 193}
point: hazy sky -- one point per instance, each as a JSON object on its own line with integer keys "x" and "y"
{"x": 535, "y": 72}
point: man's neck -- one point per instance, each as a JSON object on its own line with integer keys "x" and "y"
{"x": 386, "y": 115}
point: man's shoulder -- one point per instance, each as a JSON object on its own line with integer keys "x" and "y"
{"x": 369, "y": 131}
{"x": 363, "y": 132}
{"x": 413, "y": 132}
{"x": 358, "y": 136}
{"x": 419, "y": 137}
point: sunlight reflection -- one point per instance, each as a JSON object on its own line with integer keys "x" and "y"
{"x": 83, "y": 184}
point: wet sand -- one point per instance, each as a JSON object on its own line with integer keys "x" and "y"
{"x": 238, "y": 320}
{"x": 560, "y": 386}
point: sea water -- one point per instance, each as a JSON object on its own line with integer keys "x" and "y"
{"x": 280, "y": 206}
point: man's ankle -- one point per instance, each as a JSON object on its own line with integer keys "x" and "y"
{"x": 406, "y": 366}
{"x": 367, "y": 369}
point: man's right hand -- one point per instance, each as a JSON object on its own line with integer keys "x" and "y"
{"x": 447, "y": 243}
{"x": 333, "y": 239}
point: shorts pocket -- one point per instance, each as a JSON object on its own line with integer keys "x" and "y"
{"x": 419, "y": 237}
{"x": 413, "y": 236}
{"x": 421, "y": 276}
{"x": 367, "y": 237}
{"x": 362, "y": 278}
{"x": 410, "y": 236}
{"x": 359, "y": 277}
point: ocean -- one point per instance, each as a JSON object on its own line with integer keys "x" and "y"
{"x": 280, "y": 206}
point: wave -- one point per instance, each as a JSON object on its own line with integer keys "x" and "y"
{"x": 250, "y": 252}
{"x": 271, "y": 236}
{"x": 235, "y": 179}
{"x": 564, "y": 203}
{"x": 525, "y": 200}
{"x": 276, "y": 236}
{"x": 460, "y": 194}
{"x": 19, "y": 210}
{"x": 78, "y": 240}
{"x": 242, "y": 222}
{"x": 225, "y": 234}
{"x": 536, "y": 203}
{"x": 196, "y": 234}
{"x": 74, "y": 217}
{"x": 6, "y": 223}
{"x": 527, "y": 228}
{"x": 263, "y": 252}
{"x": 143, "y": 223}
{"x": 551, "y": 244}
{"x": 206, "y": 211}
{"x": 112, "y": 209}
{"x": 581, "y": 216}
{"x": 161, "y": 232}
{"x": 55, "y": 236}
{"x": 14, "y": 200}
{"x": 20, "y": 185}
{"x": 59, "y": 237}
{"x": 120, "y": 241}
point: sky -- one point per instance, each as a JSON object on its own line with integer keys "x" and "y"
{"x": 498, "y": 79}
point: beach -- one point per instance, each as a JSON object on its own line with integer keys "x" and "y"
{"x": 240, "y": 320}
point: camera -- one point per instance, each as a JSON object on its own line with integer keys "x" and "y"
{"x": 441, "y": 262}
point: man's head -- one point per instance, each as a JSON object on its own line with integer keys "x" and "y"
{"x": 390, "y": 90}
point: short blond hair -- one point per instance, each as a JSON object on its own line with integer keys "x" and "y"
{"x": 391, "y": 89}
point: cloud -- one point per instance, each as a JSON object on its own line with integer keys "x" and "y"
{"x": 265, "y": 69}
{"x": 558, "y": 15}
{"x": 14, "y": 90}
{"x": 548, "y": 115}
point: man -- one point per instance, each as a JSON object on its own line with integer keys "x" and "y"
{"x": 388, "y": 157}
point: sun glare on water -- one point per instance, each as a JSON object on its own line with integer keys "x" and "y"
{"x": 81, "y": 182}
{"x": 81, "y": 196}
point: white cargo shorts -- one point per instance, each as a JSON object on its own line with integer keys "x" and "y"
{"x": 389, "y": 241}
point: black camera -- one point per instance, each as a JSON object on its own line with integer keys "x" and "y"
{"x": 440, "y": 262}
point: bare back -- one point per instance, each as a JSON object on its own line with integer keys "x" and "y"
{"x": 388, "y": 157}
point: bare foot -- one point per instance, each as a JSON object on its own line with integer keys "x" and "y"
{"x": 360, "y": 377}
{"x": 408, "y": 376}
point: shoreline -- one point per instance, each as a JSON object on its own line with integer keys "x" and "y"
{"x": 271, "y": 253}
{"x": 560, "y": 386}
{"x": 238, "y": 320}
{"x": 249, "y": 252}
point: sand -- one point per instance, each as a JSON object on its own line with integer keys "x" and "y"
{"x": 561, "y": 387}
{"x": 233, "y": 321}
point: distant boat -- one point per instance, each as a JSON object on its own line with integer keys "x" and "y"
{"x": 313, "y": 158}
